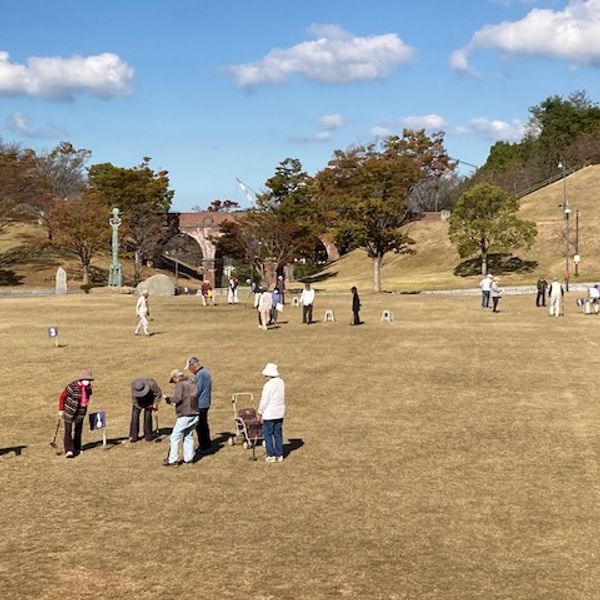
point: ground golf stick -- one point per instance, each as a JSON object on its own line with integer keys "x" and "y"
{"x": 53, "y": 442}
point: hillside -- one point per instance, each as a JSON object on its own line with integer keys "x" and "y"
{"x": 435, "y": 259}
{"x": 26, "y": 260}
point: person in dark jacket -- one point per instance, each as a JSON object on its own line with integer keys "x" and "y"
{"x": 186, "y": 409}
{"x": 540, "y": 299}
{"x": 145, "y": 396}
{"x": 204, "y": 384}
{"x": 72, "y": 407}
{"x": 355, "y": 306}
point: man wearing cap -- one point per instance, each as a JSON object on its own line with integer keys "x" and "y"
{"x": 271, "y": 411}
{"x": 186, "y": 409}
{"x": 555, "y": 292}
{"x": 204, "y": 384}
{"x": 72, "y": 407}
{"x": 145, "y": 395}
{"x": 486, "y": 287}
{"x": 142, "y": 310}
{"x": 307, "y": 299}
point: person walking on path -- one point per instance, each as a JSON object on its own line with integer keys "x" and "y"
{"x": 232, "y": 290}
{"x": 307, "y": 300}
{"x": 555, "y": 293}
{"x": 540, "y": 299}
{"x": 145, "y": 396}
{"x": 265, "y": 304}
{"x": 204, "y": 385}
{"x": 142, "y": 310}
{"x": 271, "y": 411}
{"x": 276, "y": 305}
{"x": 207, "y": 294}
{"x": 186, "y": 408}
{"x": 72, "y": 408}
{"x": 356, "y": 305}
{"x": 496, "y": 293}
{"x": 280, "y": 286}
{"x": 486, "y": 287}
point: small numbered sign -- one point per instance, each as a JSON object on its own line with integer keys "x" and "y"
{"x": 97, "y": 420}
{"x": 52, "y": 332}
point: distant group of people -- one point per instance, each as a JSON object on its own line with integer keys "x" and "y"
{"x": 555, "y": 293}
{"x": 191, "y": 398}
{"x": 490, "y": 290}
{"x": 268, "y": 303}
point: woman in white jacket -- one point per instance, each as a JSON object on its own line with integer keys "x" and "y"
{"x": 271, "y": 411}
{"x": 265, "y": 304}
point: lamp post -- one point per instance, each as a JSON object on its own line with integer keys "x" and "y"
{"x": 566, "y": 213}
{"x": 576, "y": 258}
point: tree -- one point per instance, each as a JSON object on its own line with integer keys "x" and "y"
{"x": 81, "y": 226}
{"x": 144, "y": 197}
{"x": 365, "y": 192}
{"x": 485, "y": 220}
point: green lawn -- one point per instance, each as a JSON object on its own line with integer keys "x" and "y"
{"x": 450, "y": 454}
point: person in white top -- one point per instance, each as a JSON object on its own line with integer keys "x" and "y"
{"x": 307, "y": 299}
{"x": 486, "y": 287}
{"x": 265, "y": 304}
{"x": 555, "y": 291}
{"x": 271, "y": 411}
{"x": 142, "y": 310}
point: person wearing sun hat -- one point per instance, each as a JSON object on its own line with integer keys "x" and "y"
{"x": 72, "y": 407}
{"x": 145, "y": 395}
{"x": 271, "y": 411}
{"x": 186, "y": 409}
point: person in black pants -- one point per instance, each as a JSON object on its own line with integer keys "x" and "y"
{"x": 355, "y": 306}
{"x": 204, "y": 384}
{"x": 145, "y": 396}
{"x": 542, "y": 285}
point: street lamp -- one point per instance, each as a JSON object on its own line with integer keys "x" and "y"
{"x": 172, "y": 255}
{"x": 566, "y": 213}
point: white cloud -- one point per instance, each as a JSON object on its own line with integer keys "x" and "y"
{"x": 20, "y": 124}
{"x": 571, "y": 34}
{"x": 431, "y": 122}
{"x": 333, "y": 56}
{"x": 380, "y": 131}
{"x": 334, "y": 121}
{"x": 103, "y": 75}
{"x": 493, "y": 129}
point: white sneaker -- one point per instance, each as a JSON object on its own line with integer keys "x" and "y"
{"x": 280, "y": 459}
{"x": 69, "y": 454}
{"x": 271, "y": 459}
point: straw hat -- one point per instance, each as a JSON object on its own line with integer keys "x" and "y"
{"x": 270, "y": 370}
{"x": 175, "y": 373}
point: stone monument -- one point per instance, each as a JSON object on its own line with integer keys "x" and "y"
{"x": 115, "y": 275}
{"x": 60, "y": 286}
{"x": 157, "y": 285}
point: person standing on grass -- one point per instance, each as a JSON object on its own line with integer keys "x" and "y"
{"x": 186, "y": 408}
{"x": 275, "y": 302}
{"x": 271, "y": 412}
{"x": 145, "y": 396}
{"x": 486, "y": 287}
{"x": 496, "y": 293}
{"x": 265, "y": 304}
{"x": 204, "y": 385}
{"x": 207, "y": 294}
{"x": 232, "y": 294}
{"x": 555, "y": 293}
{"x": 280, "y": 286}
{"x": 540, "y": 299}
{"x": 307, "y": 299}
{"x": 142, "y": 310}
{"x": 355, "y": 306}
{"x": 72, "y": 407}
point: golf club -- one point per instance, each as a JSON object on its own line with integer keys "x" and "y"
{"x": 53, "y": 442}
{"x": 157, "y": 434}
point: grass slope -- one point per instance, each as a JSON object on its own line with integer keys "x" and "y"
{"x": 432, "y": 265}
{"x": 449, "y": 454}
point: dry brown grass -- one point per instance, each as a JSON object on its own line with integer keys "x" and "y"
{"x": 432, "y": 266}
{"x": 451, "y": 454}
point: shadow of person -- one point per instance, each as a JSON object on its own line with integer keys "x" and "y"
{"x": 217, "y": 444}
{"x": 16, "y": 449}
{"x": 292, "y": 445}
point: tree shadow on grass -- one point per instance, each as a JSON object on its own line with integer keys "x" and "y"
{"x": 8, "y": 277}
{"x": 498, "y": 264}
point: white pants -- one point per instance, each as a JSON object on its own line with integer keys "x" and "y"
{"x": 142, "y": 325}
{"x": 232, "y": 296}
{"x": 555, "y": 306}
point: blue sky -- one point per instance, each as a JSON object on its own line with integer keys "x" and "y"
{"x": 214, "y": 90}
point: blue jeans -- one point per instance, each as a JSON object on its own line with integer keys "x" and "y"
{"x": 485, "y": 298}
{"x": 273, "y": 434}
{"x": 184, "y": 428}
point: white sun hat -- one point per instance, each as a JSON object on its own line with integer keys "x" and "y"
{"x": 270, "y": 370}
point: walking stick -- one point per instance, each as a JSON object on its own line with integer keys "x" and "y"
{"x": 53, "y": 442}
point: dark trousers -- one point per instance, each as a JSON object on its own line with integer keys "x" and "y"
{"x": 355, "y": 318}
{"x": 72, "y": 437}
{"x": 540, "y": 299}
{"x": 307, "y": 313}
{"x": 203, "y": 430}
{"x": 495, "y": 300}
{"x": 134, "y": 427}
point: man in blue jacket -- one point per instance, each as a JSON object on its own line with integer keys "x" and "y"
{"x": 204, "y": 384}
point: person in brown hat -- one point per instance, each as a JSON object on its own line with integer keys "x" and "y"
{"x": 72, "y": 407}
{"x": 145, "y": 395}
{"x": 186, "y": 408}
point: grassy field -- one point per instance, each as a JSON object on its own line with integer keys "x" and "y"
{"x": 450, "y": 454}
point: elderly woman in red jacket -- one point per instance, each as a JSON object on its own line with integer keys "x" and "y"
{"x": 72, "y": 407}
